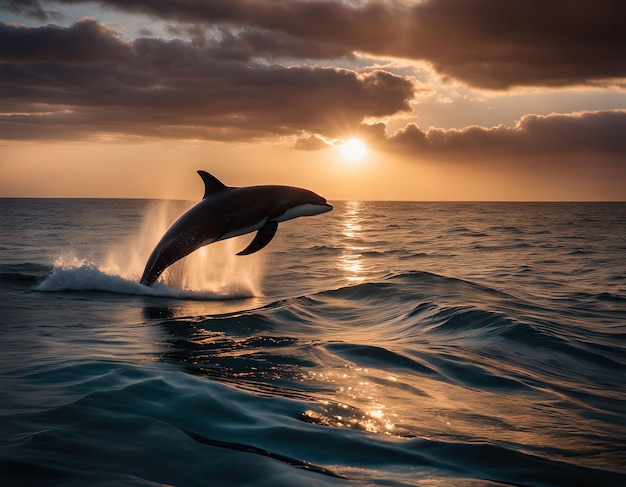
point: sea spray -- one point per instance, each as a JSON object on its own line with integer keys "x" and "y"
{"x": 211, "y": 272}
{"x": 216, "y": 267}
{"x": 129, "y": 258}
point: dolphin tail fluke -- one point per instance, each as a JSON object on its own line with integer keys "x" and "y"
{"x": 261, "y": 239}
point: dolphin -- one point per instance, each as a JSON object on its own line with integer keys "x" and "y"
{"x": 226, "y": 212}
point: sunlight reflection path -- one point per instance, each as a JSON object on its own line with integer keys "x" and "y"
{"x": 354, "y": 405}
{"x": 351, "y": 262}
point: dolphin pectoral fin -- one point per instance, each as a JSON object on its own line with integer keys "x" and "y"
{"x": 261, "y": 239}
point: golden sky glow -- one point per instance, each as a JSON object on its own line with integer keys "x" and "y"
{"x": 450, "y": 99}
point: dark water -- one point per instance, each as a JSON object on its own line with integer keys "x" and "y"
{"x": 379, "y": 344}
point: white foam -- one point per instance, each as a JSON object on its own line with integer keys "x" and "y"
{"x": 88, "y": 277}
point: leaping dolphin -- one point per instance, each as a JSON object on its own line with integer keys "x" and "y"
{"x": 226, "y": 212}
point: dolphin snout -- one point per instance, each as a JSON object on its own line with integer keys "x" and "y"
{"x": 325, "y": 207}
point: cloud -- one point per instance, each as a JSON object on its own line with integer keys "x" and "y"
{"x": 30, "y": 8}
{"x": 82, "y": 80}
{"x": 597, "y": 132}
{"x": 68, "y": 83}
{"x": 65, "y": 82}
{"x": 312, "y": 143}
{"x": 77, "y": 44}
{"x": 490, "y": 44}
{"x": 249, "y": 43}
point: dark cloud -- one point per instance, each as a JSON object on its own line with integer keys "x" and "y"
{"x": 250, "y": 43}
{"x": 30, "y": 8}
{"x": 496, "y": 45}
{"x": 85, "y": 78}
{"x": 601, "y": 132}
{"x": 490, "y": 44}
{"x": 80, "y": 43}
{"x": 247, "y": 43}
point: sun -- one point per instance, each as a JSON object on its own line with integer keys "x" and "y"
{"x": 353, "y": 150}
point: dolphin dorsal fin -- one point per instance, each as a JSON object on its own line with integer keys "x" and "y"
{"x": 211, "y": 183}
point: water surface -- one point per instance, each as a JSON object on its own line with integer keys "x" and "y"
{"x": 379, "y": 344}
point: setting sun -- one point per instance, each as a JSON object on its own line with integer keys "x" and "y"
{"x": 353, "y": 150}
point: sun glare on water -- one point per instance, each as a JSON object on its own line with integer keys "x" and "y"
{"x": 353, "y": 150}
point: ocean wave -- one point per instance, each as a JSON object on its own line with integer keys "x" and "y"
{"x": 448, "y": 329}
{"x": 132, "y": 424}
{"x": 23, "y": 275}
{"x": 394, "y": 350}
{"x": 403, "y": 308}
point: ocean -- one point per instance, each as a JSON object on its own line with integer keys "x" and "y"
{"x": 382, "y": 344}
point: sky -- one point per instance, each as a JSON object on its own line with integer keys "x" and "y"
{"x": 464, "y": 100}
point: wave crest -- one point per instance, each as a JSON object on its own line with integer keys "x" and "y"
{"x": 73, "y": 274}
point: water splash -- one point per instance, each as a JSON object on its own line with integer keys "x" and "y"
{"x": 128, "y": 258}
{"x": 211, "y": 272}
